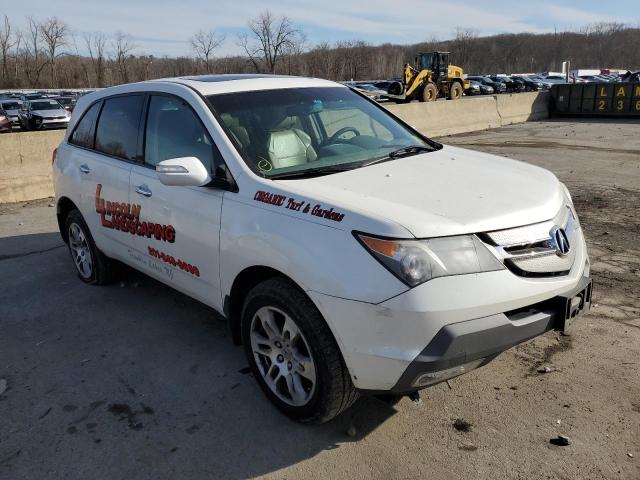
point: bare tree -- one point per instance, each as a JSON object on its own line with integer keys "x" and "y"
{"x": 204, "y": 44}
{"x": 54, "y": 33}
{"x": 7, "y": 41}
{"x": 96, "y": 45}
{"x": 32, "y": 53}
{"x": 268, "y": 40}
{"x": 123, "y": 48}
{"x": 16, "y": 56}
{"x": 463, "y": 43}
{"x": 294, "y": 52}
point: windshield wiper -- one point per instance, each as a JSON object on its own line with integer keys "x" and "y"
{"x": 401, "y": 152}
{"x": 309, "y": 172}
{"x": 409, "y": 150}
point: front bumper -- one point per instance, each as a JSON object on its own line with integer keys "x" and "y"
{"x": 43, "y": 124}
{"x": 445, "y": 322}
{"x": 460, "y": 347}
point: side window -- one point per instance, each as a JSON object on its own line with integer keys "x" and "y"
{"x": 83, "y": 133}
{"x": 174, "y": 131}
{"x": 117, "y": 132}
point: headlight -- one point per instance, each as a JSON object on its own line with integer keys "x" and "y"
{"x": 417, "y": 261}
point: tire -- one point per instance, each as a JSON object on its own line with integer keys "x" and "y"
{"x": 456, "y": 91}
{"x": 92, "y": 265}
{"x": 278, "y": 302}
{"x": 429, "y": 92}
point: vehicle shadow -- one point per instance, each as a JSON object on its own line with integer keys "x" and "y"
{"x": 135, "y": 380}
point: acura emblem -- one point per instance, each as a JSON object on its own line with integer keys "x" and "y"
{"x": 561, "y": 241}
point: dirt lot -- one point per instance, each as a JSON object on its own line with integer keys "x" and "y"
{"x": 138, "y": 381}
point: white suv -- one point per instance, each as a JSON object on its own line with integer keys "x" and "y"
{"x": 349, "y": 253}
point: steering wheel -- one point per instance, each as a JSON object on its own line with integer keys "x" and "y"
{"x": 331, "y": 140}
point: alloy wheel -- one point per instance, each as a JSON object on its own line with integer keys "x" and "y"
{"x": 80, "y": 251}
{"x": 283, "y": 356}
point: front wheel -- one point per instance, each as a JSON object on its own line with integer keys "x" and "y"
{"x": 429, "y": 93}
{"x": 293, "y": 354}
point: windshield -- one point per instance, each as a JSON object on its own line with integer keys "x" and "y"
{"x": 312, "y": 130}
{"x": 45, "y": 105}
{"x": 11, "y": 105}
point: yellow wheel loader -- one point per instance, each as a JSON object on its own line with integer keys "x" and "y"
{"x": 431, "y": 77}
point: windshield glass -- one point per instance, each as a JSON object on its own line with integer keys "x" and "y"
{"x": 286, "y": 131}
{"x": 11, "y": 105}
{"x": 45, "y": 105}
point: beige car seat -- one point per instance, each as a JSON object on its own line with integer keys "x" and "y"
{"x": 238, "y": 131}
{"x": 288, "y": 146}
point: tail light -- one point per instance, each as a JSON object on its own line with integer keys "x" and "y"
{"x": 53, "y": 156}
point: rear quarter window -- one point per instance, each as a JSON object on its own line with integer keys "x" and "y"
{"x": 83, "y": 133}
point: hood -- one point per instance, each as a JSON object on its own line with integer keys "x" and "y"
{"x": 58, "y": 112}
{"x": 452, "y": 191}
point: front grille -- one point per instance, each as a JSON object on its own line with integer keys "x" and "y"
{"x": 531, "y": 251}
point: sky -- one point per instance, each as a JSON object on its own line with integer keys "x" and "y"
{"x": 163, "y": 27}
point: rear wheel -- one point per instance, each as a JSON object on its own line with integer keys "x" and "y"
{"x": 429, "y": 92}
{"x": 92, "y": 265}
{"x": 293, "y": 354}
{"x": 456, "y": 91}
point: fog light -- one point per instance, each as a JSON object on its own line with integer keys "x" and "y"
{"x": 430, "y": 378}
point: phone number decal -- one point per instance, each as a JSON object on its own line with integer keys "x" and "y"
{"x": 169, "y": 259}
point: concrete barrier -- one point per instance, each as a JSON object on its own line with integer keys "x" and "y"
{"x": 522, "y": 107}
{"x": 25, "y": 157}
{"x": 437, "y": 119}
{"x": 25, "y": 165}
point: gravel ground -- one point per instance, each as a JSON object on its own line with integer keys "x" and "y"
{"x": 135, "y": 380}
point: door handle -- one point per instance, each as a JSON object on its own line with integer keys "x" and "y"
{"x": 143, "y": 190}
{"x": 84, "y": 168}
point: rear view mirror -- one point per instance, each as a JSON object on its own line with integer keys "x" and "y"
{"x": 184, "y": 171}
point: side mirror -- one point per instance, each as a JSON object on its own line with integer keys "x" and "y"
{"x": 184, "y": 171}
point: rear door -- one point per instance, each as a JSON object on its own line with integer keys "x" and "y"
{"x": 178, "y": 238}
{"x": 105, "y": 144}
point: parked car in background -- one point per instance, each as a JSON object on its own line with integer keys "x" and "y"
{"x": 630, "y": 77}
{"x": 474, "y": 88}
{"x": 547, "y": 84}
{"x": 511, "y": 86}
{"x": 555, "y": 79}
{"x": 530, "y": 85}
{"x": 5, "y": 122}
{"x": 498, "y": 87}
{"x": 371, "y": 91}
{"x": 12, "y": 108}
{"x": 486, "y": 89}
{"x": 26, "y": 97}
{"x": 43, "y": 114}
{"x": 383, "y": 85}
{"x": 68, "y": 102}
